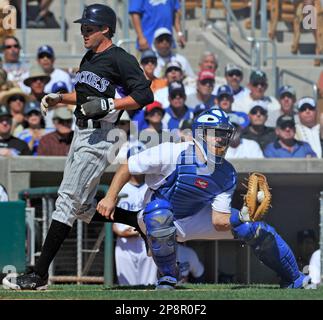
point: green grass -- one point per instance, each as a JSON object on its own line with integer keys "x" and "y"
{"x": 187, "y": 292}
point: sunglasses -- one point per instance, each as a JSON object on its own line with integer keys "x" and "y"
{"x": 234, "y": 73}
{"x": 16, "y": 46}
{"x": 38, "y": 79}
{"x": 306, "y": 107}
{"x": 287, "y": 125}
{"x": 6, "y": 120}
{"x": 86, "y": 30}
{"x": 16, "y": 97}
{"x": 155, "y": 111}
{"x": 177, "y": 95}
{"x": 260, "y": 110}
{"x": 165, "y": 37}
{"x": 44, "y": 55}
{"x": 207, "y": 82}
{"x": 257, "y": 84}
{"x": 149, "y": 60}
{"x": 173, "y": 69}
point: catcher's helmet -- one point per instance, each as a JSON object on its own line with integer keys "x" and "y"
{"x": 100, "y": 15}
{"x": 213, "y": 129}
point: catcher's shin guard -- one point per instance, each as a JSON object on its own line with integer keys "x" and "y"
{"x": 268, "y": 246}
{"x": 161, "y": 235}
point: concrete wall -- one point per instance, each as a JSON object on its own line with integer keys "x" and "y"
{"x": 296, "y": 186}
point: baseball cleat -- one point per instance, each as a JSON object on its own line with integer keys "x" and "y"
{"x": 302, "y": 282}
{"x": 30, "y": 281}
{"x": 166, "y": 283}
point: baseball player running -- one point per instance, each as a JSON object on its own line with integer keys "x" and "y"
{"x": 187, "y": 181}
{"x": 109, "y": 80}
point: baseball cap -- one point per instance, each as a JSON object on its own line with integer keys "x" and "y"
{"x": 258, "y": 76}
{"x": 232, "y": 67}
{"x": 176, "y": 87}
{"x": 46, "y": 49}
{"x": 154, "y": 105}
{"x": 258, "y": 104}
{"x": 173, "y": 64}
{"x": 59, "y": 86}
{"x": 206, "y": 75}
{"x": 286, "y": 89}
{"x": 306, "y": 101}
{"x": 282, "y": 121}
{"x": 162, "y": 31}
{"x": 148, "y": 54}
{"x": 4, "y": 111}
{"x": 62, "y": 113}
{"x": 32, "y": 106}
{"x": 224, "y": 90}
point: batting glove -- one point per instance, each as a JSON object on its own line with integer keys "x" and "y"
{"x": 49, "y": 100}
{"x": 97, "y": 107}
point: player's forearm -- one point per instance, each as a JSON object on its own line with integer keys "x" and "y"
{"x": 221, "y": 221}
{"x": 126, "y": 103}
{"x": 121, "y": 177}
{"x": 69, "y": 98}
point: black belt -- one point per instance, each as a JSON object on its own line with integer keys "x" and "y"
{"x": 84, "y": 123}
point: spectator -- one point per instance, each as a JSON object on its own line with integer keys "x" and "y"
{"x": 257, "y": 130}
{"x": 209, "y": 61}
{"x": 224, "y": 100}
{"x": 191, "y": 269}
{"x": 5, "y": 84}
{"x": 234, "y": 76}
{"x": 287, "y": 99}
{"x": 163, "y": 46}
{"x": 173, "y": 72}
{"x": 37, "y": 81}
{"x": 177, "y": 110}
{"x": 3, "y": 194}
{"x": 16, "y": 69}
{"x": 133, "y": 266}
{"x": 15, "y": 99}
{"x": 46, "y": 60}
{"x": 242, "y": 148}
{"x": 286, "y": 146}
{"x": 258, "y": 85}
{"x": 306, "y": 246}
{"x": 35, "y": 126}
{"x": 153, "y": 134}
{"x": 202, "y": 99}
{"x": 149, "y": 63}
{"x": 185, "y": 130}
{"x": 10, "y": 145}
{"x": 58, "y": 143}
{"x": 308, "y": 129}
{"x": 149, "y": 16}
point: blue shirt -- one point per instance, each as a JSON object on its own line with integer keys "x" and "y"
{"x": 155, "y": 14}
{"x": 301, "y": 149}
{"x": 170, "y": 121}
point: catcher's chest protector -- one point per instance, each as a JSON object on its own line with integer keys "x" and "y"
{"x": 191, "y": 186}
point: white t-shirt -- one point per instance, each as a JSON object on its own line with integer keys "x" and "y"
{"x": 244, "y": 103}
{"x": 311, "y": 136}
{"x": 246, "y": 149}
{"x": 315, "y": 267}
{"x": 3, "y": 194}
{"x": 59, "y": 75}
{"x": 158, "y": 162}
{"x": 161, "y": 64}
{"x": 189, "y": 262}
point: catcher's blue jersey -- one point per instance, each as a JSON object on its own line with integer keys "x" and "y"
{"x": 192, "y": 186}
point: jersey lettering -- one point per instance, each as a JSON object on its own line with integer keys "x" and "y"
{"x": 92, "y": 80}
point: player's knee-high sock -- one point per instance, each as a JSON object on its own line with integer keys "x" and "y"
{"x": 268, "y": 246}
{"x": 56, "y": 235}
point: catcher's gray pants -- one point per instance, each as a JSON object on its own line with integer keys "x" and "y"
{"x": 85, "y": 164}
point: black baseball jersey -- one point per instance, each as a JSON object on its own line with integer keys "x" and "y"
{"x": 112, "y": 73}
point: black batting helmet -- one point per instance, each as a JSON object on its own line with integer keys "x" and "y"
{"x": 100, "y": 15}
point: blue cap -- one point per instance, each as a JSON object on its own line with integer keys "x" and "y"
{"x": 46, "y": 49}
{"x": 32, "y": 106}
{"x": 148, "y": 54}
{"x": 59, "y": 86}
{"x": 225, "y": 89}
{"x": 286, "y": 89}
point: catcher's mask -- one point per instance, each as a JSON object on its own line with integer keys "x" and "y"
{"x": 214, "y": 131}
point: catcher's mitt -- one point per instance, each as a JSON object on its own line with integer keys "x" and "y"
{"x": 257, "y": 199}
